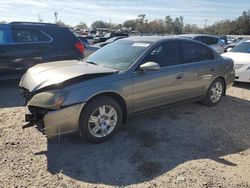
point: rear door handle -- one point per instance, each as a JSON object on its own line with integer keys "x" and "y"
{"x": 179, "y": 76}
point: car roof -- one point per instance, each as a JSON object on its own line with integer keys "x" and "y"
{"x": 155, "y": 39}
{"x": 30, "y": 24}
{"x": 147, "y": 38}
{"x": 197, "y": 35}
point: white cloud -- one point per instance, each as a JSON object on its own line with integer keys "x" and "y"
{"x": 74, "y": 11}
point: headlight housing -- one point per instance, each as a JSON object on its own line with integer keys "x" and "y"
{"x": 52, "y": 99}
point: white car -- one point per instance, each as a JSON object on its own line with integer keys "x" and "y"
{"x": 241, "y": 56}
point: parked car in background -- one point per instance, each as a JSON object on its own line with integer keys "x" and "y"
{"x": 88, "y": 47}
{"x": 231, "y": 45}
{"x": 113, "y": 39}
{"x": 241, "y": 56}
{"x": 224, "y": 40}
{"x": 108, "y": 36}
{"x": 125, "y": 77}
{"x": 24, "y": 44}
{"x": 211, "y": 40}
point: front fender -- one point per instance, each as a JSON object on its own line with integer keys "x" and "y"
{"x": 83, "y": 94}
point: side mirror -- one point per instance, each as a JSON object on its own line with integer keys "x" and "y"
{"x": 229, "y": 49}
{"x": 151, "y": 66}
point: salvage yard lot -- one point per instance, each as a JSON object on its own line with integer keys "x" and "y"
{"x": 189, "y": 145}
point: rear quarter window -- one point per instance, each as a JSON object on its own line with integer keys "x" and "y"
{"x": 4, "y": 35}
{"x": 29, "y": 36}
{"x": 62, "y": 36}
{"x": 194, "y": 52}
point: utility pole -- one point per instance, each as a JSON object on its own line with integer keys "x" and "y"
{"x": 205, "y": 24}
{"x": 39, "y": 18}
{"x": 56, "y": 15}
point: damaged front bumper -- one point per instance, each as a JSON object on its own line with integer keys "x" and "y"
{"x": 56, "y": 122}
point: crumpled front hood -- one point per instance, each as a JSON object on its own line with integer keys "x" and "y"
{"x": 238, "y": 58}
{"x": 46, "y": 74}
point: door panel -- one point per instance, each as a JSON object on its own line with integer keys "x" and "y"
{"x": 197, "y": 78}
{"x": 178, "y": 79}
{"x": 25, "y": 49}
{"x": 14, "y": 57}
{"x": 198, "y": 60}
{"x": 156, "y": 88}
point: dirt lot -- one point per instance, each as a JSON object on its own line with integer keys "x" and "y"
{"x": 185, "y": 146}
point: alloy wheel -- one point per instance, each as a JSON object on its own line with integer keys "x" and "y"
{"x": 216, "y": 92}
{"x": 102, "y": 121}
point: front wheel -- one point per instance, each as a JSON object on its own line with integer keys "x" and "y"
{"x": 100, "y": 119}
{"x": 215, "y": 92}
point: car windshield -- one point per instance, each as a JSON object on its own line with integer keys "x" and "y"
{"x": 244, "y": 47}
{"x": 119, "y": 55}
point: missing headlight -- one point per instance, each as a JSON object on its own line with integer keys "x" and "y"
{"x": 52, "y": 99}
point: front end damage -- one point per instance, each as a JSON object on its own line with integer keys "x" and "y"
{"x": 44, "y": 89}
{"x": 54, "y": 122}
{"x": 49, "y": 116}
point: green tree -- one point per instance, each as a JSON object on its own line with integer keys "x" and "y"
{"x": 141, "y": 18}
{"x": 99, "y": 24}
{"x": 238, "y": 26}
{"x": 168, "y": 25}
{"x": 81, "y": 25}
{"x": 130, "y": 24}
{"x": 178, "y": 25}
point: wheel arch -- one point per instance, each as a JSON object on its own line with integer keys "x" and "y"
{"x": 117, "y": 98}
{"x": 224, "y": 81}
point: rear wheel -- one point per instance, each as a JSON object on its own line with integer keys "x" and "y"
{"x": 100, "y": 119}
{"x": 215, "y": 92}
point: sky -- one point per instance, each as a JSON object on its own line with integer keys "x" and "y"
{"x": 117, "y": 11}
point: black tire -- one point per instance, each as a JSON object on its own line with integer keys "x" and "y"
{"x": 90, "y": 107}
{"x": 208, "y": 100}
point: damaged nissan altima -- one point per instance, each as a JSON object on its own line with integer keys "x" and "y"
{"x": 95, "y": 96}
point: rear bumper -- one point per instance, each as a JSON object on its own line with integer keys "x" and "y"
{"x": 55, "y": 123}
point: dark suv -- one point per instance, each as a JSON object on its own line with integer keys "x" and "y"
{"x": 24, "y": 44}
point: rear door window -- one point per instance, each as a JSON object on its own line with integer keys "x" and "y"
{"x": 29, "y": 36}
{"x": 210, "y": 40}
{"x": 194, "y": 52}
{"x": 198, "y": 39}
{"x": 166, "y": 54}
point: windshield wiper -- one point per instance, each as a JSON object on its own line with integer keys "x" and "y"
{"x": 91, "y": 62}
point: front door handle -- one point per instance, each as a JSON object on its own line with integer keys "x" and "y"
{"x": 179, "y": 76}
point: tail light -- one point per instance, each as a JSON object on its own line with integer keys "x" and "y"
{"x": 80, "y": 47}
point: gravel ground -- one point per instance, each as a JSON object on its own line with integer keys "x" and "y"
{"x": 189, "y": 145}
